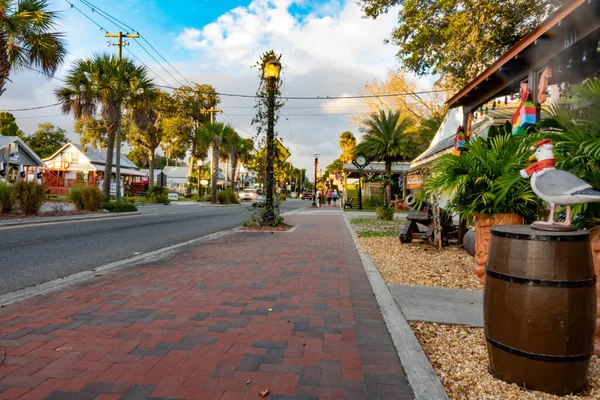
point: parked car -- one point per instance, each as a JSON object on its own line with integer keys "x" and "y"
{"x": 248, "y": 195}
{"x": 306, "y": 196}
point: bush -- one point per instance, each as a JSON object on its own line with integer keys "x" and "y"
{"x": 76, "y": 196}
{"x": 282, "y": 197}
{"x": 227, "y": 197}
{"x": 89, "y": 199}
{"x": 160, "y": 198}
{"x": 119, "y": 206}
{"x": 154, "y": 190}
{"x": 30, "y": 197}
{"x": 372, "y": 201}
{"x": 6, "y": 200}
{"x": 385, "y": 213}
{"x": 204, "y": 197}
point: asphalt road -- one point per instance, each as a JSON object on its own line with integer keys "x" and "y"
{"x": 34, "y": 254}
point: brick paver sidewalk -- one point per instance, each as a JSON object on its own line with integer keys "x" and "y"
{"x": 289, "y": 312}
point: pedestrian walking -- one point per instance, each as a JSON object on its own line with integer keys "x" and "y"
{"x": 318, "y": 199}
{"x": 335, "y": 196}
{"x": 329, "y": 196}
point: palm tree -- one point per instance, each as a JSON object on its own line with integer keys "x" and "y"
{"x": 387, "y": 138}
{"x": 214, "y": 133}
{"x": 242, "y": 155}
{"x": 348, "y": 145}
{"x": 27, "y": 38}
{"x": 100, "y": 85}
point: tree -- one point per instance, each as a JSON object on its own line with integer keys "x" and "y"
{"x": 27, "y": 38}
{"x": 101, "y": 85}
{"x": 214, "y": 133}
{"x": 387, "y": 138}
{"x": 192, "y": 104}
{"x": 240, "y": 155}
{"x": 348, "y": 146}
{"x": 336, "y": 165}
{"x": 458, "y": 39}
{"x": 148, "y": 119}
{"x": 8, "y": 125}
{"x": 46, "y": 140}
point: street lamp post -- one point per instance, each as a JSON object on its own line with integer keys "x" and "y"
{"x": 360, "y": 162}
{"x": 314, "y": 203}
{"x": 271, "y": 72}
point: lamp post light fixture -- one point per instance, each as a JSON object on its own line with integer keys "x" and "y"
{"x": 360, "y": 162}
{"x": 314, "y": 203}
{"x": 271, "y": 73}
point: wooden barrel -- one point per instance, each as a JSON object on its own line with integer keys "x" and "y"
{"x": 540, "y": 308}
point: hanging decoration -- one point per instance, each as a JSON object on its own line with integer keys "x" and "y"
{"x": 486, "y": 110}
{"x": 459, "y": 141}
{"x": 525, "y": 115}
{"x": 494, "y": 105}
{"x": 506, "y": 100}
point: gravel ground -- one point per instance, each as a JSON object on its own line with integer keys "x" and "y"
{"x": 420, "y": 263}
{"x": 459, "y": 356}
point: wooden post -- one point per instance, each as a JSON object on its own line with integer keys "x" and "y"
{"x": 533, "y": 82}
{"x": 462, "y": 230}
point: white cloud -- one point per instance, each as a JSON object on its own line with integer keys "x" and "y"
{"x": 332, "y": 51}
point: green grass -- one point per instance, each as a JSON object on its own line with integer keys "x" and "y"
{"x": 373, "y": 210}
{"x": 368, "y": 234}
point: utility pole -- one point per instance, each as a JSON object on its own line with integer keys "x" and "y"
{"x": 214, "y": 174}
{"x": 120, "y": 44}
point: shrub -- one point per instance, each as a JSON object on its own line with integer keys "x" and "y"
{"x": 385, "y": 213}
{"x": 119, "y": 206}
{"x": 89, "y": 199}
{"x": 76, "y": 196}
{"x": 222, "y": 197}
{"x": 6, "y": 200}
{"x": 93, "y": 198}
{"x": 161, "y": 198}
{"x": 282, "y": 197}
{"x": 372, "y": 201}
{"x": 154, "y": 190}
{"x": 232, "y": 197}
{"x": 30, "y": 197}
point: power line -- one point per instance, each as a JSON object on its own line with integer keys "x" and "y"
{"x": 85, "y": 15}
{"x": 156, "y": 61}
{"x": 334, "y": 97}
{"x": 306, "y": 115}
{"x": 149, "y": 69}
{"x": 122, "y": 25}
{"x": 40, "y": 72}
{"x": 32, "y": 108}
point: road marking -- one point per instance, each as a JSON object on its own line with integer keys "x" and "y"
{"x": 71, "y": 221}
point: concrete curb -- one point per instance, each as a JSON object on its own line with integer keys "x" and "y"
{"x": 47, "y": 220}
{"x": 57, "y": 284}
{"x": 425, "y": 383}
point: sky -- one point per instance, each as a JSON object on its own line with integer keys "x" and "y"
{"x": 327, "y": 47}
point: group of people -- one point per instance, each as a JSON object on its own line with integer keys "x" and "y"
{"x": 331, "y": 195}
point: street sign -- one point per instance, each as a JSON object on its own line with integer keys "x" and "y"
{"x": 282, "y": 153}
{"x": 204, "y": 182}
{"x": 320, "y": 186}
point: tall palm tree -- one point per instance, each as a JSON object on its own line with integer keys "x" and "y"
{"x": 100, "y": 85}
{"x": 387, "y": 138}
{"x": 214, "y": 133}
{"x": 27, "y": 38}
{"x": 348, "y": 145}
{"x": 241, "y": 155}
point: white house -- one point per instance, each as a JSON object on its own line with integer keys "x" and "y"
{"x": 64, "y": 166}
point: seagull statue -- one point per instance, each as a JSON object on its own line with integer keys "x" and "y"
{"x": 554, "y": 186}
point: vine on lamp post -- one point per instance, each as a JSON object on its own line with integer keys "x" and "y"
{"x": 267, "y": 113}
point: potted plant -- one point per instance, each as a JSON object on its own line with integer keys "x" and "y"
{"x": 575, "y": 131}
{"x": 484, "y": 187}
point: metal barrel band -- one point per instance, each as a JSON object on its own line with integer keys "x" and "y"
{"x": 539, "y": 357}
{"x": 540, "y": 282}
{"x": 542, "y": 238}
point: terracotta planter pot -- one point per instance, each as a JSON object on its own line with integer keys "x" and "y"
{"x": 595, "y": 241}
{"x": 483, "y": 237}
